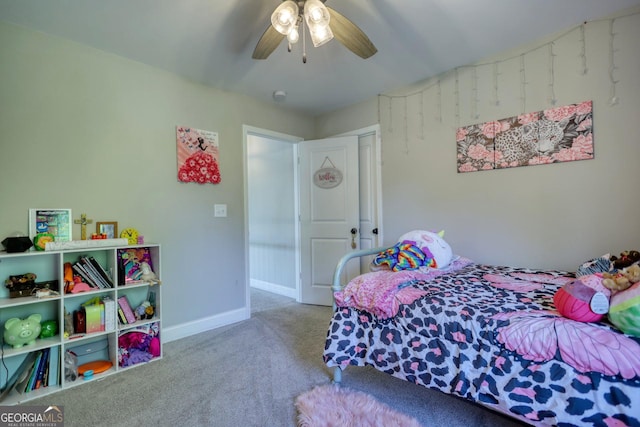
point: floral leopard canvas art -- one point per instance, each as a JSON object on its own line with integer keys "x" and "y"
{"x": 554, "y": 135}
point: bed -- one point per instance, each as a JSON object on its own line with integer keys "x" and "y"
{"x": 489, "y": 334}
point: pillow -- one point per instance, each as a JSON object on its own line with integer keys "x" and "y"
{"x": 584, "y": 299}
{"x": 432, "y": 244}
{"x": 624, "y": 312}
{"x": 596, "y": 265}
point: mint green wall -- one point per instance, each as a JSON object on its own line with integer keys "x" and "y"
{"x": 551, "y": 216}
{"x": 90, "y": 131}
{"x": 94, "y": 132}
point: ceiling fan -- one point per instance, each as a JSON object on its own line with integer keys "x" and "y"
{"x": 290, "y": 18}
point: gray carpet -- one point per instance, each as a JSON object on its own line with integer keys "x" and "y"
{"x": 248, "y": 374}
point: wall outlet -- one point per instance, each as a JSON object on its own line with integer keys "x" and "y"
{"x": 220, "y": 210}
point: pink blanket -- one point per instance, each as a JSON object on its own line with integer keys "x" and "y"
{"x": 381, "y": 292}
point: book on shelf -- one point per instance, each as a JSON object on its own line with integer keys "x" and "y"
{"x": 84, "y": 277}
{"x": 45, "y": 376}
{"x": 21, "y": 386}
{"x": 109, "y": 314}
{"x": 91, "y": 267}
{"x": 33, "y": 374}
{"x": 54, "y": 366}
{"x": 93, "y": 277}
{"x": 92, "y": 273}
{"x": 123, "y": 302}
{"x": 19, "y": 376}
{"x": 102, "y": 272}
{"x": 95, "y": 270}
{"x": 129, "y": 261}
{"x": 121, "y": 316}
{"x": 44, "y": 361}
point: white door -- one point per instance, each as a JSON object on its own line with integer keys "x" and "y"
{"x": 370, "y": 192}
{"x": 329, "y": 213}
{"x": 370, "y": 234}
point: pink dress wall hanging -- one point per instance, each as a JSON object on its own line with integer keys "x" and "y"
{"x": 198, "y": 154}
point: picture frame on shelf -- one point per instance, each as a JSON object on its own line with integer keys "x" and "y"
{"x": 57, "y": 222}
{"x": 110, "y": 228}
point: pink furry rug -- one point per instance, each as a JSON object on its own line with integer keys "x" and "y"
{"x": 332, "y": 406}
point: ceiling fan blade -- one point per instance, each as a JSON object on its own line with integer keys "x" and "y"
{"x": 350, "y": 35}
{"x": 267, "y": 43}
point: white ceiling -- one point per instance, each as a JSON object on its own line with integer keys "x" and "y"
{"x": 211, "y": 41}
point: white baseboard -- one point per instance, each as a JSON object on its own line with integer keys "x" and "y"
{"x": 274, "y": 288}
{"x": 184, "y": 330}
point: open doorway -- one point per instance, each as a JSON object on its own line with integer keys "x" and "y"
{"x": 271, "y": 206}
{"x": 271, "y": 211}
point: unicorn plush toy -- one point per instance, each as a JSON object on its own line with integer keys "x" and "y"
{"x": 432, "y": 244}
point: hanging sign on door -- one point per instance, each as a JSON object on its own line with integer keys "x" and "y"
{"x": 327, "y": 177}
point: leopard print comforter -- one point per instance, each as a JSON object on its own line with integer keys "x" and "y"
{"x": 492, "y": 335}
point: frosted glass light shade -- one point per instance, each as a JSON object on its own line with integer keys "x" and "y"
{"x": 316, "y": 13}
{"x": 284, "y": 17}
{"x": 317, "y": 18}
{"x": 293, "y": 35}
{"x": 320, "y": 35}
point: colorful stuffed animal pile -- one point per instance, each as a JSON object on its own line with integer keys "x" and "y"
{"x": 617, "y": 279}
{"x": 626, "y": 259}
{"x": 622, "y": 279}
{"x": 624, "y": 306}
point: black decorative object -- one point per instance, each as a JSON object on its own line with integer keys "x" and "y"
{"x": 17, "y": 244}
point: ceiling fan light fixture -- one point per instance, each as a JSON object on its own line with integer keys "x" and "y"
{"x": 316, "y": 13}
{"x": 320, "y": 35}
{"x": 285, "y": 17}
{"x": 290, "y": 18}
{"x": 317, "y": 18}
{"x": 293, "y": 35}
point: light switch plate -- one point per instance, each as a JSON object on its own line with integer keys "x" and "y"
{"x": 220, "y": 210}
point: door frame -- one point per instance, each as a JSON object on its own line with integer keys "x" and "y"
{"x": 261, "y": 132}
{"x": 246, "y": 130}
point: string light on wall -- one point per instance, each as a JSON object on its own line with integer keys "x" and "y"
{"x": 421, "y": 93}
{"x": 420, "y": 112}
{"x": 454, "y": 75}
{"x": 474, "y": 94}
{"x": 439, "y": 102}
{"x": 457, "y": 98}
{"x": 379, "y": 112}
{"x": 612, "y": 66}
{"x": 583, "y": 50}
{"x": 523, "y": 85}
{"x": 496, "y": 73}
{"x": 552, "y": 76}
{"x": 421, "y": 115}
{"x": 390, "y": 116}
{"x": 406, "y": 127}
